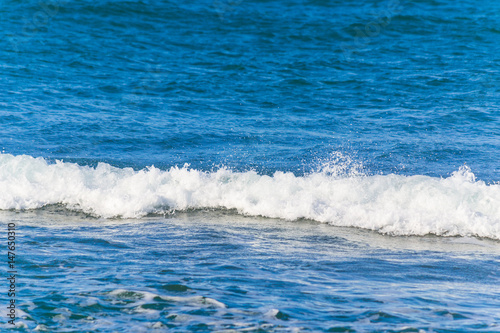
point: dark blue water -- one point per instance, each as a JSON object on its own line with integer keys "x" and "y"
{"x": 214, "y": 165}
{"x": 254, "y": 84}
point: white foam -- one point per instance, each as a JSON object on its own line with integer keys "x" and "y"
{"x": 417, "y": 205}
{"x": 271, "y": 313}
{"x": 143, "y": 297}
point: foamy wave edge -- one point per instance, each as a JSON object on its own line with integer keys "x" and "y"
{"x": 399, "y": 205}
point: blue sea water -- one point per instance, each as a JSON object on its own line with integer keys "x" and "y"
{"x": 251, "y": 165}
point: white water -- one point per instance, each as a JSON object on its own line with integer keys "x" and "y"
{"x": 400, "y": 205}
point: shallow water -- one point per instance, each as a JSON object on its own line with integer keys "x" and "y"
{"x": 216, "y": 271}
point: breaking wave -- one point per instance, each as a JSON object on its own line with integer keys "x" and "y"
{"x": 458, "y": 205}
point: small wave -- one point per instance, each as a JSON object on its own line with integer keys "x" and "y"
{"x": 458, "y": 205}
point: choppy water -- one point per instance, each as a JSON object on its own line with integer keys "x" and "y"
{"x": 216, "y": 271}
{"x": 252, "y": 165}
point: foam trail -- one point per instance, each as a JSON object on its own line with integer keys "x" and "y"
{"x": 399, "y": 205}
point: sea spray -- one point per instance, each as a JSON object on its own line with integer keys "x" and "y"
{"x": 458, "y": 205}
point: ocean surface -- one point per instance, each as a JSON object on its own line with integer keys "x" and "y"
{"x": 250, "y": 165}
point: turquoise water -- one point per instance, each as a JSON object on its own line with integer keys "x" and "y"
{"x": 253, "y": 166}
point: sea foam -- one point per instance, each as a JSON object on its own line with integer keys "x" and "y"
{"x": 458, "y": 205}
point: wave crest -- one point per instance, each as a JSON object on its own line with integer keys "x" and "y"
{"x": 401, "y": 205}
